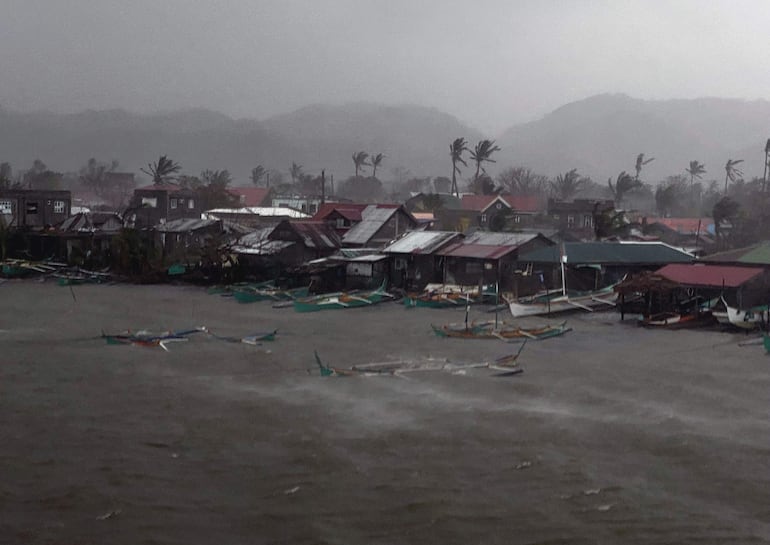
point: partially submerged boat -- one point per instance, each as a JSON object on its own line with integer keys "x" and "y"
{"x": 341, "y": 300}
{"x": 501, "y": 331}
{"x": 446, "y": 295}
{"x": 248, "y": 294}
{"x": 506, "y": 365}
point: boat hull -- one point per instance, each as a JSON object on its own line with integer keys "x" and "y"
{"x": 543, "y": 305}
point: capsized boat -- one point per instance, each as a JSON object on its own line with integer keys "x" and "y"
{"x": 501, "y": 331}
{"x": 751, "y": 318}
{"x": 340, "y": 300}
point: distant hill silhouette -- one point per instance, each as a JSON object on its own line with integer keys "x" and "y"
{"x": 317, "y": 137}
{"x": 600, "y": 136}
{"x": 603, "y": 134}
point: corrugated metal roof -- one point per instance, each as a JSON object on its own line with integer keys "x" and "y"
{"x": 265, "y": 247}
{"x": 184, "y": 225}
{"x": 499, "y": 239}
{"x": 477, "y": 251}
{"x": 372, "y": 258}
{"x": 705, "y": 275}
{"x": 758, "y": 254}
{"x": 606, "y": 253}
{"x": 421, "y": 242}
{"x": 261, "y": 211}
{"x": 316, "y": 234}
{"x": 373, "y": 220}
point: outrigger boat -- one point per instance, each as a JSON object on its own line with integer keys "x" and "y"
{"x": 148, "y": 338}
{"x": 745, "y": 319}
{"x": 252, "y": 295}
{"x": 551, "y": 303}
{"x": 341, "y": 300}
{"x": 506, "y": 365}
{"x": 502, "y": 331}
{"x": 445, "y": 295}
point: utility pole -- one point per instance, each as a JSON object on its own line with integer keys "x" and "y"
{"x": 323, "y": 186}
{"x": 767, "y": 160}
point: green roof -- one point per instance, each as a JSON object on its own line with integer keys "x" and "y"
{"x": 758, "y": 254}
{"x": 610, "y": 253}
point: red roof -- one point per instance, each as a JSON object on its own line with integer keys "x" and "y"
{"x": 699, "y": 274}
{"x": 251, "y": 196}
{"x": 348, "y": 210}
{"x": 479, "y": 203}
{"x": 684, "y": 225}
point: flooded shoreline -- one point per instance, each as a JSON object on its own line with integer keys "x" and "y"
{"x": 613, "y": 433}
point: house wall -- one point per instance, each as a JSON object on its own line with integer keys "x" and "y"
{"x": 154, "y": 206}
{"x": 35, "y": 208}
{"x": 412, "y": 272}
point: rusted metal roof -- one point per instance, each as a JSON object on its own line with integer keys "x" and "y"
{"x": 705, "y": 275}
{"x": 421, "y": 242}
{"x": 758, "y": 254}
{"x": 476, "y": 251}
{"x": 316, "y": 234}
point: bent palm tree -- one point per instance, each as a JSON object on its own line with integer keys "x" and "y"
{"x": 482, "y": 153}
{"x": 624, "y": 183}
{"x": 725, "y": 209}
{"x": 456, "y": 150}
{"x": 375, "y": 162}
{"x": 257, "y": 173}
{"x": 163, "y": 170}
{"x": 731, "y": 172}
{"x": 359, "y": 160}
{"x": 295, "y": 172}
{"x": 695, "y": 170}
{"x": 566, "y": 185}
{"x": 640, "y": 162}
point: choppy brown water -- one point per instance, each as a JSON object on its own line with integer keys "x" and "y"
{"x": 614, "y": 434}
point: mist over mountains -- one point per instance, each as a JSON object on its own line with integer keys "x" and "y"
{"x": 600, "y": 136}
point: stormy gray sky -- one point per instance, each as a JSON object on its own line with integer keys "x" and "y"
{"x": 492, "y": 63}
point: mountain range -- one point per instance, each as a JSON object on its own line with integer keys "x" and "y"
{"x": 600, "y": 136}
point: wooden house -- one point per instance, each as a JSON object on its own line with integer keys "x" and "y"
{"x": 413, "y": 261}
{"x": 34, "y": 209}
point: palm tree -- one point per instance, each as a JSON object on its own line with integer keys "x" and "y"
{"x": 624, "y": 183}
{"x": 482, "y": 153}
{"x": 669, "y": 195}
{"x": 731, "y": 172}
{"x": 257, "y": 173}
{"x": 295, "y": 172}
{"x": 695, "y": 170}
{"x": 359, "y": 160}
{"x": 640, "y": 162}
{"x": 375, "y": 162}
{"x": 163, "y": 170}
{"x": 456, "y": 150}
{"x": 566, "y": 185}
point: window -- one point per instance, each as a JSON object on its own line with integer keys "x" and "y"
{"x": 340, "y": 223}
{"x": 6, "y": 207}
{"x": 570, "y": 221}
{"x": 483, "y": 218}
{"x": 473, "y": 267}
{"x": 31, "y": 208}
{"x": 556, "y": 217}
{"x": 150, "y": 202}
{"x": 172, "y": 203}
{"x": 59, "y": 207}
{"x": 516, "y": 219}
{"x": 313, "y": 208}
{"x": 191, "y": 204}
{"x": 588, "y": 221}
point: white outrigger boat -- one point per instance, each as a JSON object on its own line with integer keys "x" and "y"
{"x": 561, "y": 301}
{"x": 745, "y": 319}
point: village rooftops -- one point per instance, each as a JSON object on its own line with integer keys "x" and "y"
{"x": 708, "y": 275}
{"x": 168, "y": 188}
{"x": 373, "y": 219}
{"x": 485, "y": 245}
{"x": 685, "y": 226}
{"x": 184, "y": 225}
{"x": 610, "y": 253}
{"x": 482, "y": 203}
{"x": 260, "y": 211}
{"x": 757, "y": 254}
{"x": 421, "y": 242}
